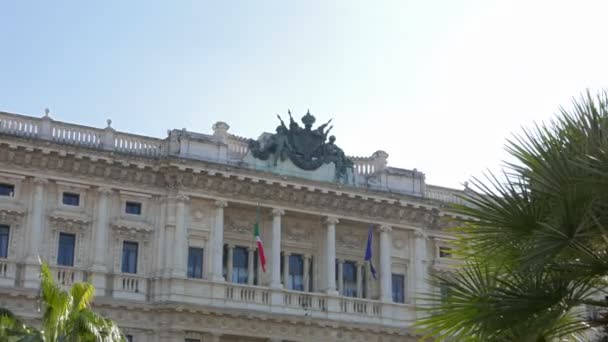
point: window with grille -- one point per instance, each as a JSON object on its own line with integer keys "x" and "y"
{"x": 4, "y": 235}
{"x": 296, "y": 272}
{"x": 398, "y": 288}
{"x": 70, "y": 198}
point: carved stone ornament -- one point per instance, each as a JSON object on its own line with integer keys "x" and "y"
{"x": 351, "y": 239}
{"x": 139, "y": 229}
{"x": 239, "y": 226}
{"x": 307, "y": 148}
{"x": 297, "y": 233}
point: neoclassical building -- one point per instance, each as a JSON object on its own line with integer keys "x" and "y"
{"x": 164, "y": 229}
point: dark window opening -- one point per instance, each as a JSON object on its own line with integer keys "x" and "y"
{"x": 445, "y": 252}
{"x": 4, "y": 231}
{"x": 195, "y": 262}
{"x": 129, "y": 257}
{"x": 398, "y": 288}
{"x": 7, "y": 190}
{"x": 65, "y": 253}
{"x": 133, "y": 208}
{"x": 70, "y": 198}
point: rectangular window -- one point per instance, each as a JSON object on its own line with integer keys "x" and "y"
{"x": 349, "y": 279}
{"x": 70, "y": 198}
{"x": 129, "y": 338}
{"x": 296, "y": 272}
{"x": 398, "y": 288}
{"x": 133, "y": 208}
{"x": 7, "y": 190}
{"x": 444, "y": 290}
{"x": 65, "y": 252}
{"x": 445, "y": 252}
{"x": 4, "y": 230}
{"x": 195, "y": 262}
{"x": 129, "y": 257}
{"x": 240, "y": 262}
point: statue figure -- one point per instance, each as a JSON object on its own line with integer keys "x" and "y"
{"x": 335, "y": 154}
{"x": 281, "y": 143}
{"x": 305, "y": 147}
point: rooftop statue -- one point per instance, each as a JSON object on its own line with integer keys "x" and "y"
{"x": 305, "y": 147}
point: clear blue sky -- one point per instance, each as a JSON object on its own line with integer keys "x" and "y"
{"x": 439, "y": 85}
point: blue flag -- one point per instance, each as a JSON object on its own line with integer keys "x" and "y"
{"x": 368, "y": 250}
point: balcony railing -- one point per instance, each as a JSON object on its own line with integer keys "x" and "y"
{"x": 8, "y": 270}
{"x": 285, "y": 302}
{"x": 66, "y": 276}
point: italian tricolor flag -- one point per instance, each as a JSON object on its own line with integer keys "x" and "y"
{"x": 258, "y": 240}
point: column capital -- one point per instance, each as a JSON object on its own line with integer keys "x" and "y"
{"x": 182, "y": 198}
{"x": 307, "y": 256}
{"x": 360, "y": 263}
{"x": 385, "y": 228}
{"x": 104, "y": 190}
{"x": 251, "y": 249}
{"x": 419, "y": 234}
{"x": 278, "y": 212}
{"x": 230, "y": 245}
{"x": 331, "y": 220}
{"x": 40, "y": 180}
{"x": 221, "y": 203}
{"x": 286, "y": 253}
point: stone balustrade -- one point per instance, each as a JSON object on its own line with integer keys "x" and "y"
{"x": 269, "y": 300}
{"x": 129, "y": 286}
{"x": 67, "y": 276}
{"x": 8, "y": 271}
{"x": 442, "y": 194}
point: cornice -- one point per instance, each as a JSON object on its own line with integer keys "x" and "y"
{"x": 225, "y": 182}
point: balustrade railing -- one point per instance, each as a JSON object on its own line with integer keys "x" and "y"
{"x": 364, "y": 165}
{"x": 19, "y": 125}
{"x": 66, "y": 133}
{"x": 249, "y": 294}
{"x": 360, "y": 306}
{"x": 137, "y": 144}
{"x": 444, "y": 194}
{"x": 305, "y": 300}
{"x": 67, "y": 276}
{"x": 132, "y": 284}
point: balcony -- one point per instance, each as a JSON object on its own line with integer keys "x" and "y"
{"x": 8, "y": 271}
{"x": 286, "y": 302}
{"x": 66, "y": 276}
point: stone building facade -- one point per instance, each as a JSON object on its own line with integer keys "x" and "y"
{"x": 164, "y": 230}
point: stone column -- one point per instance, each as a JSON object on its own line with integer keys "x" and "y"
{"x": 36, "y": 221}
{"x": 229, "y": 262}
{"x": 420, "y": 263}
{"x": 286, "y": 256}
{"x": 100, "y": 238}
{"x": 368, "y": 277}
{"x": 306, "y": 275}
{"x": 275, "y": 258}
{"x": 180, "y": 249}
{"x": 330, "y": 255}
{"x": 340, "y": 276}
{"x": 250, "y": 265}
{"x": 36, "y": 233}
{"x": 360, "y": 266}
{"x": 217, "y": 242}
{"x": 386, "y": 292}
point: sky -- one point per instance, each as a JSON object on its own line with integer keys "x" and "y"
{"x": 438, "y": 85}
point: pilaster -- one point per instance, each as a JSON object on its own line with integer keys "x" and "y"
{"x": 386, "y": 292}
{"x": 217, "y": 241}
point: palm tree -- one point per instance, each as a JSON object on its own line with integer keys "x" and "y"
{"x": 534, "y": 240}
{"x": 67, "y": 316}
